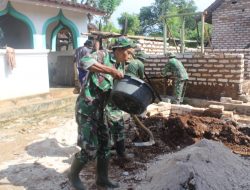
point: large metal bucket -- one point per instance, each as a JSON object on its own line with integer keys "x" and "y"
{"x": 132, "y": 95}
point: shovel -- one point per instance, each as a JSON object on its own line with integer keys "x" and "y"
{"x": 151, "y": 136}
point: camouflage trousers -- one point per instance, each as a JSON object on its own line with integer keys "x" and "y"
{"x": 179, "y": 91}
{"x": 93, "y": 134}
{"x": 115, "y": 121}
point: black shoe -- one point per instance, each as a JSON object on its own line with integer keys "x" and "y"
{"x": 102, "y": 174}
{"x": 120, "y": 150}
{"x": 73, "y": 175}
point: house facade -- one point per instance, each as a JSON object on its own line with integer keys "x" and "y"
{"x": 231, "y": 24}
{"x": 37, "y": 29}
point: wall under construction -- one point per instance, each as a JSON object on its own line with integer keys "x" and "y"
{"x": 210, "y": 75}
{"x": 246, "y": 53}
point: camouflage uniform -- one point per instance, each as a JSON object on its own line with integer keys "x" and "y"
{"x": 114, "y": 118}
{"x": 135, "y": 68}
{"x": 79, "y": 53}
{"x": 179, "y": 71}
{"x": 93, "y": 134}
{"x": 114, "y": 115}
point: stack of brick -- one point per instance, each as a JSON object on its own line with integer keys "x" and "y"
{"x": 164, "y": 109}
{"x": 156, "y": 47}
{"x": 230, "y": 100}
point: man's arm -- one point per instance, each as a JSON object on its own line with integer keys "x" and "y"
{"x": 91, "y": 64}
{"x": 100, "y": 68}
{"x": 166, "y": 70}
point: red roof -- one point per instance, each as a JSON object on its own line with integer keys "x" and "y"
{"x": 73, "y": 5}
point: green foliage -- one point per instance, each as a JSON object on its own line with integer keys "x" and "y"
{"x": 109, "y": 27}
{"x": 133, "y": 23}
{"x": 152, "y": 24}
{"x": 109, "y": 7}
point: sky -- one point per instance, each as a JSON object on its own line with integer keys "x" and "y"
{"x": 133, "y": 6}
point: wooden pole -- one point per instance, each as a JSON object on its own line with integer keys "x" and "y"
{"x": 165, "y": 36}
{"x": 183, "y": 35}
{"x": 171, "y": 37}
{"x": 202, "y": 32}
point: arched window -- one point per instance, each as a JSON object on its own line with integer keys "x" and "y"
{"x": 64, "y": 40}
{"x": 57, "y": 24}
{"x": 15, "y": 33}
{"x": 16, "y": 29}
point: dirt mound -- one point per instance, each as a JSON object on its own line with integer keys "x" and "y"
{"x": 203, "y": 166}
{"x": 178, "y": 132}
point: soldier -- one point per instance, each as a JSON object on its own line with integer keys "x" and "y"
{"x": 114, "y": 115}
{"x": 175, "y": 66}
{"x": 80, "y": 73}
{"x": 93, "y": 134}
{"x": 135, "y": 65}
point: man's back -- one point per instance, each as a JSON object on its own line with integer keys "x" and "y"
{"x": 135, "y": 68}
{"x": 81, "y": 52}
{"x": 177, "y": 68}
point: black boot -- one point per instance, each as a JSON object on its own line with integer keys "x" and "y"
{"x": 73, "y": 175}
{"x": 102, "y": 174}
{"x": 120, "y": 150}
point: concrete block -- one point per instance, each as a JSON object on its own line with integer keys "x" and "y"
{"x": 181, "y": 109}
{"x": 244, "y": 98}
{"x": 219, "y": 107}
{"x": 213, "y": 112}
{"x": 165, "y": 113}
{"x": 225, "y": 99}
{"x": 197, "y": 111}
{"x": 236, "y": 102}
{"x": 165, "y": 104}
{"x": 236, "y": 117}
{"x": 152, "y": 107}
{"x": 228, "y": 114}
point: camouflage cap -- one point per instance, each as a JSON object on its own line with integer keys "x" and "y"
{"x": 140, "y": 55}
{"x": 171, "y": 55}
{"x": 122, "y": 42}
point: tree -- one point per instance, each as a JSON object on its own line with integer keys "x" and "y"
{"x": 152, "y": 24}
{"x": 109, "y": 27}
{"x": 132, "y": 23}
{"x": 150, "y": 16}
{"x": 109, "y": 7}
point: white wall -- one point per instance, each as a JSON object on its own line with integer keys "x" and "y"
{"x": 30, "y": 76}
{"x": 40, "y": 14}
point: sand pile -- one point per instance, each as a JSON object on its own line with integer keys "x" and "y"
{"x": 205, "y": 165}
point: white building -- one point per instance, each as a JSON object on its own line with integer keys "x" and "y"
{"x": 37, "y": 30}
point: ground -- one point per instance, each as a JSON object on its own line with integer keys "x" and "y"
{"x": 36, "y": 151}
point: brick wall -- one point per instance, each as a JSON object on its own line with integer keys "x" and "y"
{"x": 156, "y": 47}
{"x": 210, "y": 75}
{"x": 231, "y": 25}
{"x": 246, "y": 53}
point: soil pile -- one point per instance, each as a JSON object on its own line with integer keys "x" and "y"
{"x": 203, "y": 166}
{"x": 177, "y": 132}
